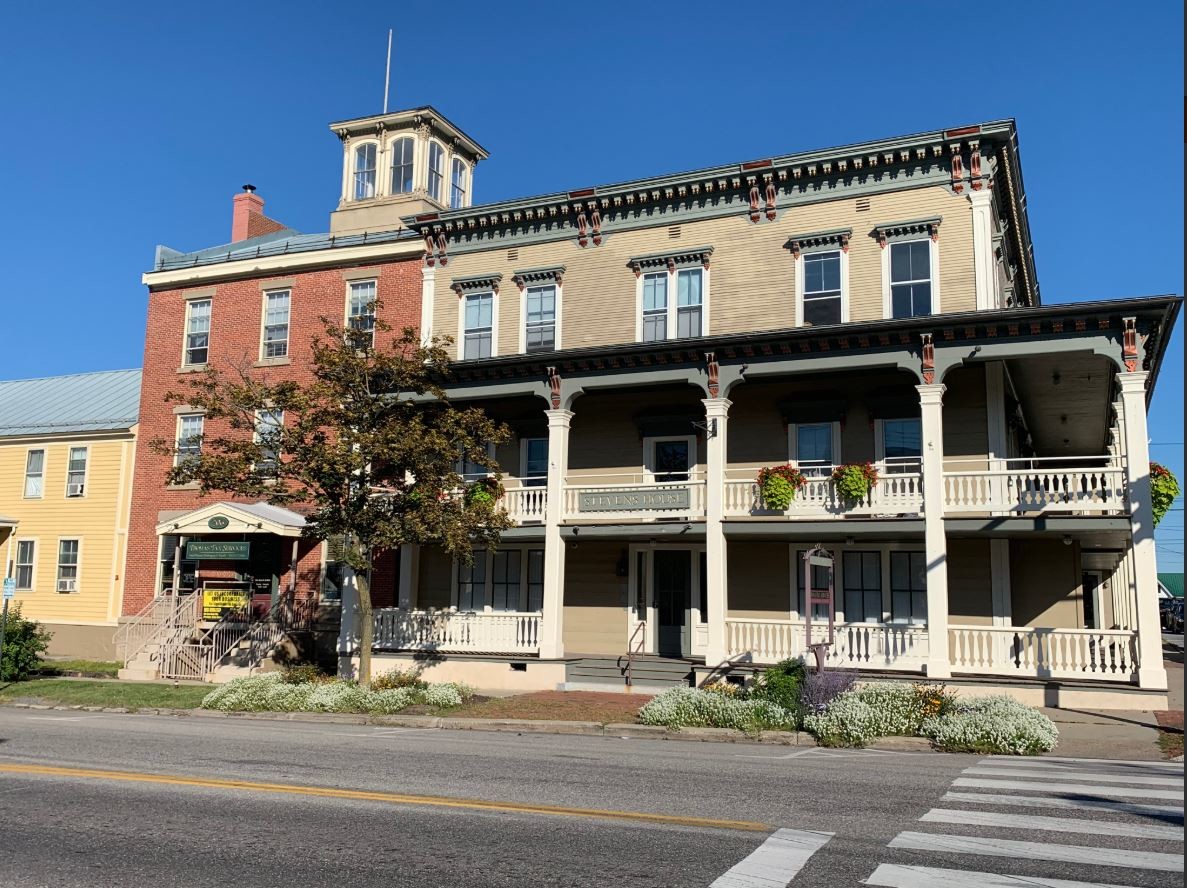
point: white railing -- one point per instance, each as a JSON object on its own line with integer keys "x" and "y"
{"x": 1107, "y": 654}
{"x": 856, "y": 645}
{"x": 526, "y": 505}
{"x": 895, "y": 493}
{"x": 456, "y": 632}
{"x": 639, "y": 496}
{"x": 1035, "y": 485}
{"x": 163, "y": 618}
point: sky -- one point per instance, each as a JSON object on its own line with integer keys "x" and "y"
{"x": 132, "y": 124}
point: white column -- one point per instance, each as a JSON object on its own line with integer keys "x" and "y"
{"x": 552, "y": 622}
{"x": 935, "y": 543}
{"x": 716, "y": 415}
{"x": 983, "y": 270}
{"x": 428, "y": 283}
{"x": 1151, "y": 672}
{"x": 409, "y": 575}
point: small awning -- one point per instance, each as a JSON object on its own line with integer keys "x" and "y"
{"x": 10, "y": 523}
{"x": 235, "y": 518}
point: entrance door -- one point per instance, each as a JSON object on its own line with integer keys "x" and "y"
{"x": 673, "y": 598}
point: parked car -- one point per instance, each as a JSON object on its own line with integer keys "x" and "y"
{"x": 1164, "y": 612}
{"x": 1174, "y": 616}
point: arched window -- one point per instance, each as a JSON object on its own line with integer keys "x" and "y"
{"x": 436, "y": 173}
{"x": 457, "y": 192}
{"x": 364, "y": 171}
{"x": 402, "y": 150}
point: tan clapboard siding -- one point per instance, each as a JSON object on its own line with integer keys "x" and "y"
{"x": 970, "y": 598}
{"x": 966, "y": 428}
{"x": 604, "y": 439}
{"x": 1045, "y": 584}
{"x": 752, "y": 283}
{"x": 436, "y": 578}
{"x": 759, "y": 580}
{"x": 595, "y": 611}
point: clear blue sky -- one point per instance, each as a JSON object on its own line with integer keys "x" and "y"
{"x": 132, "y": 124}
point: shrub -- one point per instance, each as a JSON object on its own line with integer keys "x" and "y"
{"x": 441, "y": 695}
{"x": 778, "y": 485}
{"x": 247, "y": 694}
{"x": 24, "y": 643}
{"x": 933, "y": 699}
{"x": 821, "y": 688}
{"x": 855, "y": 481}
{"x": 1164, "y": 488}
{"x": 299, "y": 673}
{"x": 390, "y": 700}
{"x": 894, "y": 708}
{"x": 781, "y": 684}
{"x": 998, "y": 725}
{"x": 695, "y": 708}
{"x": 847, "y": 721}
{"x": 271, "y": 692}
{"x": 399, "y": 678}
{"x": 725, "y": 688}
{"x": 338, "y": 696}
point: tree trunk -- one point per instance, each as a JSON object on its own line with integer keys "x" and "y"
{"x": 362, "y": 584}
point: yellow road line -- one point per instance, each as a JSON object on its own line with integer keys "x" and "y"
{"x": 390, "y": 797}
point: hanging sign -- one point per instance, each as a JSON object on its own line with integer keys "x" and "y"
{"x": 215, "y": 550}
{"x": 818, "y": 589}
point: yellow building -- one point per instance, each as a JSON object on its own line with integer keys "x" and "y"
{"x": 67, "y": 445}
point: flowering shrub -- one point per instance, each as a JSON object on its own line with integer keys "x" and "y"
{"x": 847, "y": 721}
{"x": 338, "y": 697}
{"x": 398, "y": 678}
{"x": 933, "y": 699}
{"x": 895, "y": 707}
{"x": 442, "y": 695}
{"x": 855, "y": 481}
{"x": 1164, "y": 488}
{"x": 781, "y": 684}
{"x": 778, "y": 485}
{"x": 389, "y": 700}
{"x": 999, "y": 725}
{"x": 725, "y": 688}
{"x": 821, "y": 688}
{"x": 299, "y": 673}
{"x": 695, "y": 708}
{"x": 272, "y": 693}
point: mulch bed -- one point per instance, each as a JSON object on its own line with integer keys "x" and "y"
{"x": 591, "y": 706}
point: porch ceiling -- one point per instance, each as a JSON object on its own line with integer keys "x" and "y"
{"x": 1065, "y": 398}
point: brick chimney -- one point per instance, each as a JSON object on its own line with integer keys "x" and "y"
{"x": 247, "y": 216}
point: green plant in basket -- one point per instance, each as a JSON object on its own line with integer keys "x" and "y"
{"x": 1164, "y": 489}
{"x": 484, "y": 491}
{"x": 855, "y": 481}
{"x": 778, "y": 485}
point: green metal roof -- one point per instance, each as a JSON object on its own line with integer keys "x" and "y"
{"x": 81, "y": 402}
{"x": 1173, "y": 583}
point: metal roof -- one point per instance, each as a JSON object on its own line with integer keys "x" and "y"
{"x": 81, "y": 402}
{"x": 278, "y": 243}
{"x": 1173, "y": 583}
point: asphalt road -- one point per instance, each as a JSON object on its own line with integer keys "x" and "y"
{"x": 93, "y": 799}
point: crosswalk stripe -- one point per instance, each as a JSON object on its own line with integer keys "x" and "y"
{"x": 892, "y": 875}
{"x": 1006, "y": 759}
{"x": 1077, "y": 788}
{"x": 1053, "y": 824}
{"x": 939, "y": 842}
{"x": 776, "y": 861}
{"x": 1077, "y": 775}
{"x": 1086, "y": 804}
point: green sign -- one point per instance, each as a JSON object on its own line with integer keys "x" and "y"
{"x": 217, "y": 551}
{"x": 218, "y": 522}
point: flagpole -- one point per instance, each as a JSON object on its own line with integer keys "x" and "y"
{"x": 387, "y": 74}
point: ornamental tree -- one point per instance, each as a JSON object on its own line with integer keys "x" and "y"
{"x": 367, "y": 450}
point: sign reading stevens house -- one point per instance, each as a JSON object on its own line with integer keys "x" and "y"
{"x": 640, "y": 499}
{"x": 213, "y": 550}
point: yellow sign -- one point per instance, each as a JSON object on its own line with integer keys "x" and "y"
{"x": 216, "y": 602}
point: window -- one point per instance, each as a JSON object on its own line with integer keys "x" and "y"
{"x": 534, "y": 471}
{"x": 822, "y": 289}
{"x": 35, "y": 474}
{"x": 471, "y": 583}
{"x": 402, "y": 154}
{"x": 360, "y": 312}
{"x": 910, "y": 279}
{"x": 436, "y": 174}
{"x": 472, "y": 471}
{"x": 68, "y": 565}
{"x": 334, "y": 577}
{"x": 478, "y": 332}
{"x": 540, "y": 318}
{"x": 908, "y": 587}
{"x": 276, "y": 323}
{"x": 670, "y": 458}
{"x": 812, "y": 447}
{"x": 76, "y": 471}
{"x": 535, "y": 600}
{"x": 655, "y": 306}
{"x": 188, "y": 573}
{"x": 688, "y": 302}
{"x": 505, "y": 580}
{"x": 862, "y": 582}
{"x": 189, "y": 437}
{"x": 457, "y": 189}
{"x": 364, "y": 171}
{"x": 25, "y": 552}
{"x": 902, "y": 447}
{"x": 267, "y": 435}
{"x": 197, "y": 331}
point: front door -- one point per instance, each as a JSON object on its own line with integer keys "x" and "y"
{"x": 673, "y": 598}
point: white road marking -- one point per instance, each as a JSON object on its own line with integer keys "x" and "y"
{"x": 889, "y": 875}
{"x": 1080, "y": 854}
{"x": 1071, "y": 788}
{"x": 776, "y": 861}
{"x": 789, "y": 755}
{"x": 1077, "y": 775}
{"x": 1043, "y": 802}
{"x": 1053, "y": 824}
{"x": 1004, "y": 759}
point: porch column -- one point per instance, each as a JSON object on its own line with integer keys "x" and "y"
{"x": 716, "y": 415}
{"x": 552, "y": 620}
{"x": 935, "y": 543}
{"x": 177, "y": 550}
{"x": 983, "y": 264}
{"x": 1151, "y": 672}
{"x": 409, "y": 575}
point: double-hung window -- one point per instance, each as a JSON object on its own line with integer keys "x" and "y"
{"x": 26, "y": 550}
{"x": 436, "y": 170}
{"x": 267, "y": 435}
{"x": 910, "y": 278}
{"x": 535, "y": 600}
{"x": 822, "y": 289}
{"x": 506, "y": 580}
{"x": 360, "y": 310}
{"x": 862, "y": 581}
{"x": 655, "y": 306}
{"x": 402, "y": 164}
{"x": 471, "y": 583}
{"x": 535, "y": 461}
{"x": 670, "y": 459}
{"x": 197, "y": 331}
{"x": 68, "y": 565}
{"x": 812, "y": 448}
{"x": 902, "y": 444}
{"x": 479, "y": 325}
{"x": 189, "y": 437}
{"x": 364, "y": 171}
{"x": 540, "y": 318}
{"x": 908, "y": 587}
{"x": 689, "y": 302}
{"x": 76, "y": 471}
{"x": 276, "y": 323}
{"x": 457, "y": 184}
{"x": 35, "y": 474}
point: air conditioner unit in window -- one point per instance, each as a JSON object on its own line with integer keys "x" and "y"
{"x": 67, "y": 585}
{"x": 74, "y": 489}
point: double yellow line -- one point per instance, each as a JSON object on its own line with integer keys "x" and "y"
{"x": 388, "y": 797}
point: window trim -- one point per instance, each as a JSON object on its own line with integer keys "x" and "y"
{"x": 255, "y": 432}
{"x": 672, "y": 312}
{"x": 177, "y": 434}
{"x": 555, "y": 283}
{"x": 77, "y": 565}
{"x": 354, "y": 170}
{"x": 488, "y": 554}
{"x": 463, "y": 295}
{"x": 793, "y": 442}
{"x": 185, "y": 333}
{"x": 933, "y": 242}
{"x": 523, "y": 456}
{"x": 36, "y": 541}
{"x": 288, "y": 324}
{"x": 880, "y": 439}
{"x": 86, "y": 470}
{"x": 347, "y": 316}
{"x": 456, "y": 163}
{"x": 649, "y": 473}
{"x": 442, "y": 172}
{"x": 391, "y": 166}
{"x": 800, "y": 280}
{"x": 44, "y": 471}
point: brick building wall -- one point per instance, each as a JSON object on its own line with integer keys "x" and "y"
{"x": 235, "y": 327}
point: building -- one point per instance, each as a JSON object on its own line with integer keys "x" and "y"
{"x": 67, "y": 448}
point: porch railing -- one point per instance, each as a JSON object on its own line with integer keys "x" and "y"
{"x": 1107, "y": 654}
{"x": 856, "y": 645}
{"x": 526, "y": 505}
{"x": 1093, "y": 485}
{"x": 897, "y": 492}
{"x": 158, "y": 621}
{"x": 639, "y": 496}
{"x": 447, "y": 631}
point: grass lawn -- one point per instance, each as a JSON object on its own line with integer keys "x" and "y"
{"x": 127, "y": 694}
{"x": 84, "y": 668}
{"x": 1170, "y": 738}
{"x": 588, "y": 706}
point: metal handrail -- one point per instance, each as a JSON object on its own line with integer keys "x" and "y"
{"x": 631, "y": 649}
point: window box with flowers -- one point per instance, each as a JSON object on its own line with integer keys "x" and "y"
{"x": 854, "y": 482}
{"x": 778, "y": 485}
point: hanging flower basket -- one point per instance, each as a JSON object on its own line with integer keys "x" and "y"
{"x": 855, "y": 481}
{"x": 1164, "y": 489}
{"x": 778, "y": 485}
{"x": 484, "y": 491}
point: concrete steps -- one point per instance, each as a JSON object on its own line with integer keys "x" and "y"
{"x": 609, "y": 673}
